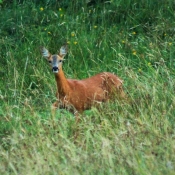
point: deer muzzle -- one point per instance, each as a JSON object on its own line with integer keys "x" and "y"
{"x": 55, "y": 69}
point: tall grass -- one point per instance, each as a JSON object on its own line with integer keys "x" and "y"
{"x": 132, "y": 39}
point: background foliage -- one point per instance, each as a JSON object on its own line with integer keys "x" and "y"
{"x": 133, "y": 39}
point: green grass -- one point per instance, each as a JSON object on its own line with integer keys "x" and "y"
{"x": 131, "y": 39}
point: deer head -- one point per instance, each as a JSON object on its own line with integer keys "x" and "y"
{"x": 55, "y": 60}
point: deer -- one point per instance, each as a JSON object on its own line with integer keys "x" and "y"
{"x": 76, "y": 96}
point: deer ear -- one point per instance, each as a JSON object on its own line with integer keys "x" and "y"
{"x": 63, "y": 51}
{"x": 45, "y": 53}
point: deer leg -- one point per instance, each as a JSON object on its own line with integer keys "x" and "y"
{"x": 77, "y": 117}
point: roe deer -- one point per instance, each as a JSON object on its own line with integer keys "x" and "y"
{"x": 79, "y": 95}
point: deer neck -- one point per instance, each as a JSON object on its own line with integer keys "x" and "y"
{"x": 62, "y": 83}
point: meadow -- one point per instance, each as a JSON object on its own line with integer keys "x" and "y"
{"x": 133, "y": 39}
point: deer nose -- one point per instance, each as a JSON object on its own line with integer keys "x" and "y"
{"x": 55, "y": 69}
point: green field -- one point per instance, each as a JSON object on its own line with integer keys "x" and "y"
{"x": 133, "y": 39}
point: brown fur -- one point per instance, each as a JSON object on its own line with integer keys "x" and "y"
{"x": 80, "y": 95}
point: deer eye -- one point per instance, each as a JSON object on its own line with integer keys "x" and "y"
{"x": 60, "y": 61}
{"x": 50, "y": 61}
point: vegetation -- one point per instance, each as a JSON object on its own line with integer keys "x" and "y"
{"x": 133, "y": 39}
